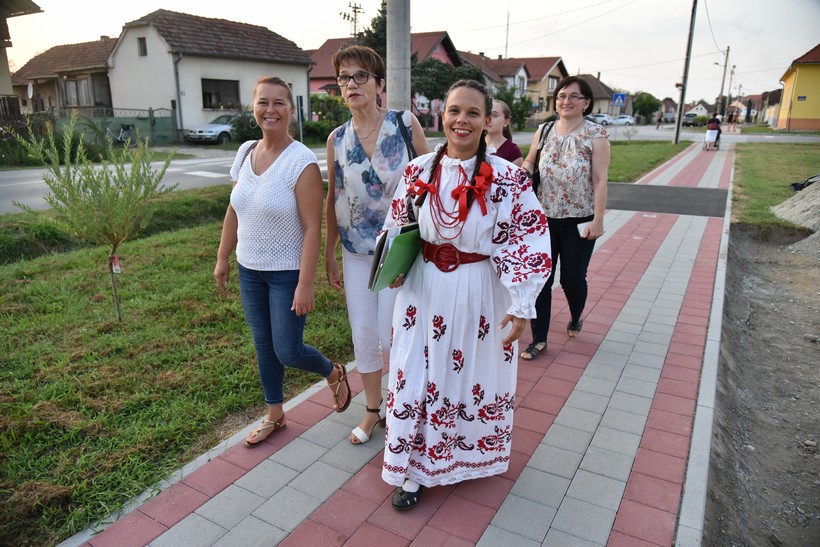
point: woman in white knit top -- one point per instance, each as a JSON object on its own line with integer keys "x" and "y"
{"x": 274, "y": 222}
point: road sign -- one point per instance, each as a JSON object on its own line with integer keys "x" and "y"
{"x": 619, "y": 99}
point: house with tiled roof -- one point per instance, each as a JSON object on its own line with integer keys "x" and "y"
{"x": 799, "y": 107}
{"x": 602, "y": 95}
{"x": 9, "y": 103}
{"x": 200, "y": 66}
{"x": 545, "y": 73}
{"x": 67, "y": 76}
{"x": 499, "y": 72}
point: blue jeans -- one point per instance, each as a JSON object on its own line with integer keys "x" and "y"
{"x": 277, "y": 331}
{"x": 573, "y": 253}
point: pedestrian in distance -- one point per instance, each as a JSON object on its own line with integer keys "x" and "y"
{"x": 461, "y": 308}
{"x": 274, "y": 221}
{"x": 659, "y": 121}
{"x": 366, "y": 157}
{"x": 499, "y": 137}
{"x": 573, "y": 168}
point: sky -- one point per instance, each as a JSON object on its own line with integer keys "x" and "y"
{"x": 635, "y": 45}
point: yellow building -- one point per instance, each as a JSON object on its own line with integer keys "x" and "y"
{"x": 800, "y": 105}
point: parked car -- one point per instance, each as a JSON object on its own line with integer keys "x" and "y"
{"x": 623, "y": 119}
{"x": 600, "y": 119}
{"x": 218, "y": 131}
{"x": 691, "y": 119}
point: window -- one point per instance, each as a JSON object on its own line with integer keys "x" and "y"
{"x": 142, "y": 47}
{"x": 553, "y": 83}
{"x": 220, "y": 94}
{"x": 77, "y": 93}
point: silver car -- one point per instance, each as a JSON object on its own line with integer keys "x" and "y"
{"x": 218, "y": 131}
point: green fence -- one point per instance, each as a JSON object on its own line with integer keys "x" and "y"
{"x": 156, "y": 124}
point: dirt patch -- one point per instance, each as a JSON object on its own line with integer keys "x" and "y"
{"x": 764, "y": 483}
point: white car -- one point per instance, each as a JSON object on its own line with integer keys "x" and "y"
{"x": 218, "y": 131}
{"x": 600, "y": 119}
{"x": 623, "y": 119}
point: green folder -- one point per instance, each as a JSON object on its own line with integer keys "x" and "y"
{"x": 394, "y": 255}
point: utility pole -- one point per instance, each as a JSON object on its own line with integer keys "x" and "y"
{"x": 398, "y": 55}
{"x": 721, "y": 109}
{"x": 729, "y": 89}
{"x": 356, "y": 9}
{"x": 685, "y": 72}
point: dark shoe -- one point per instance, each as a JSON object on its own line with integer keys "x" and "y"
{"x": 533, "y": 350}
{"x": 574, "y": 327}
{"x": 404, "y": 500}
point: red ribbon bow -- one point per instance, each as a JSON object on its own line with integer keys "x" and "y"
{"x": 419, "y": 187}
{"x": 483, "y": 181}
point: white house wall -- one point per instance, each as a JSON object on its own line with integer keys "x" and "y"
{"x": 149, "y": 81}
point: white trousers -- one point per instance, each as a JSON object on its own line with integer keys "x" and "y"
{"x": 370, "y": 314}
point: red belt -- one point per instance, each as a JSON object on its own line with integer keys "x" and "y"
{"x": 446, "y": 257}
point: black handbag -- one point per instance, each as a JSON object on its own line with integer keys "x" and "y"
{"x": 536, "y": 172}
{"x": 411, "y": 152}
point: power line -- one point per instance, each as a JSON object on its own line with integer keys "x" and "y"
{"x": 532, "y": 20}
{"x": 709, "y": 20}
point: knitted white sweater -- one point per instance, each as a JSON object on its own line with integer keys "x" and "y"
{"x": 270, "y": 233}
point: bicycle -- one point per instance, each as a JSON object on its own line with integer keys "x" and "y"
{"x": 126, "y": 136}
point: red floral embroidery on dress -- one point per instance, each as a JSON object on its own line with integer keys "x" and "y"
{"x": 483, "y": 328}
{"x": 409, "y": 317}
{"x": 478, "y": 394}
{"x": 521, "y": 263}
{"x": 508, "y": 352}
{"x": 439, "y": 328}
{"x": 458, "y": 360}
{"x": 443, "y": 450}
{"x": 448, "y": 413}
{"x": 497, "y": 442}
{"x": 400, "y": 381}
{"x": 493, "y": 412}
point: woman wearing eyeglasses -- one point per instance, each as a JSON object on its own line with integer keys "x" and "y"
{"x": 573, "y": 165}
{"x": 366, "y": 158}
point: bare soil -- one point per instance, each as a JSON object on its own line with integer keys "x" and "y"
{"x": 764, "y": 482}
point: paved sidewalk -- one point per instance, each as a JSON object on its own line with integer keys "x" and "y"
{"x": 612, "y": 428}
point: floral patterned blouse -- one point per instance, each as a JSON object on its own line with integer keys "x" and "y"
{"x": 566, "y": 172}
{"x": 364, "y": 186}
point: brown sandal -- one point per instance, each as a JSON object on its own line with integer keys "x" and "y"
{"x": 266, "y": 425}
{"x": 334, "y": 388}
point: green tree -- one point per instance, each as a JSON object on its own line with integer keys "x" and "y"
{"x": 645, "y": 104}
{"x": 376, "y": 36}
{"x": 431, "y": 78}
{"x": 469, "y": 72}
{"x": 519, "y": 107}
{"x": 105, "y": 205}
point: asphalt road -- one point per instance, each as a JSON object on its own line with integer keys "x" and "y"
{"x": 212, "y": 165}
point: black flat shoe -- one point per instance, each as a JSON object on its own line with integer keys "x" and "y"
{"x": 404, "y": 500}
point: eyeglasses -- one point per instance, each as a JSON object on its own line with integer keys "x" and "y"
{"x": 360, "y": 78}
{"x": 573, "y": 98}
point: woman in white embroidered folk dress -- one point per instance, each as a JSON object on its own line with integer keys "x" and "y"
{"x": 485, "y": 257}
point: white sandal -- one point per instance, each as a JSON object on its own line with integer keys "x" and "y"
{"x": 360, "y": 434}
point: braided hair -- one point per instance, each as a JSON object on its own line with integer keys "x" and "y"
{"x": 481, "y": 154}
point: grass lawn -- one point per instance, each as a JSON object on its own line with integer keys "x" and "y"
{"x": 94, "y": 412}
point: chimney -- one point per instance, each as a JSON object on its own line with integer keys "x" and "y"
{"x": 499, "y": 57}
{"x": 599, "y": 76}
{"x": 104, "y": 37}
{"x": 481, "y": 54}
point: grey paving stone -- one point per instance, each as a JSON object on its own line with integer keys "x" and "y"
{"x": 646, "y": 360}
{"x": 597, "y": 490}
{"x": 326, "y": 433}
{"x": 663, "y": 317}
{"x": 693, "y": 503}
{"x": 660, "y": 328}
{"x": 498, "y": 537}
{"x": 287, "y": 509}
{"x": 299, "y": 454}
{"x": 624, "y": 421}
{"x": 540, "y": 487}
{"x": 524, "y": 517}
{"x": 557, "y": 538}
{"x": 655, "y": 338}
{"x": 633, "y": 386}
{"x": 652, "y": 349}
{"x": 252, "y": 532}
{"x": 192, "y": 531}
{"x": 631, "y": 403}
{"x": 619, "y": 348}
{"x": 351, "y": 417}
{"x": 579, "y": 419}
{"x": 639, "y": 372}
{"x": 584, "y": 520}
{"x": 614, "y": 360}
{"x": 567, "y": 438}
{"x": 603, "y": 369}
{"x": 555, "y": 461}
{"x": 597, "y": 386}
{"x": 688, "y": 537}
{"x": 231, "y": 506}
{"x": 607, "y": 463}
{"x": 267, "y": 478}
{"x": 616, "y": 441}
{"x": 320, "y": 480}
{"x": 631, "y": 318}
{"x": 634, "y": 328}
{"x": 587, "y": 401}
{"x": 622, "y": 337}
{"x": 350, "y": 457}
